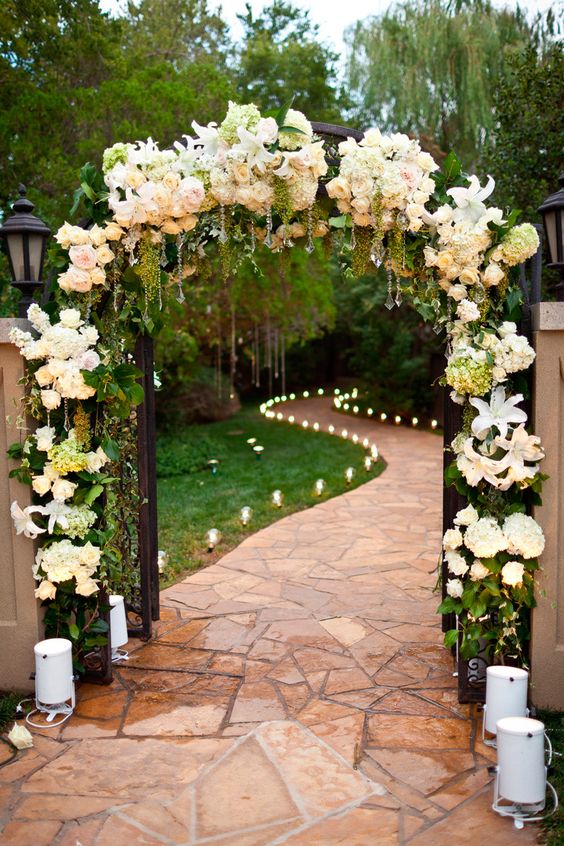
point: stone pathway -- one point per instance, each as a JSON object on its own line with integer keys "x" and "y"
{"x": 296, "y": 693}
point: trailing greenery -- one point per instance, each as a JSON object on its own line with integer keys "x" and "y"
{"x": 293, "y": 459}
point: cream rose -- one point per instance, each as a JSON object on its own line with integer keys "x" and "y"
{"x": 339, "y": 188}
{"x": 97, "y": 276}
{"x": 134, "y": 178}
{"x": 452, "y": 539}
{"x": 62, "y": 489}
{"x": 44, "y": 376}
{"x": 171, "y": 180}
{"x": 478, "y": 571}
{"x": 113, "y": 232}
{"x": 104, "y": 255}
{"x": 75, "y": 279}
{"x": 50, "y": 399}
{"x": 512, "y": 573}
{"x": 454, "y": 588}
{"x": 492, "y": 275}
{"x": 41, "y": 485}
{"x": 83, "y": 257}
{"x": 444, "y": 260}
{"x": 241, "y": 173}
{"x": 469, "y": 276}
{"x": 89, "y": 555}
{"x": 70, "y": 318}
{"x": 361, "y": 219}
{"x": 171, "y": 227}
{"x": 361, "y": 205}
{"x": 46, "y": 590}
{"x": 86, "y": 587}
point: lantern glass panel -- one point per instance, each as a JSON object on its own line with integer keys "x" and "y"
{"x": 36, "y": 247}
{"x": 16, "y": 255}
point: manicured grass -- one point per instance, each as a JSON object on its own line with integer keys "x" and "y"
{"x": 553, "y": 827}
{"x": 8, "y": 704}
{"x": 293, "y": 459}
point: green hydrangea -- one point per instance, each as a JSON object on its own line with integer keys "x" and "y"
{"x": 520, "y": 243}
{"x": 80, "y": 518}
{"x": 68, "y": 457}
{"x": 118, "y": 154}
{"x": 470, "y": 377}
{"x": 237, "y": 115}
{"x": 295, "y": 140}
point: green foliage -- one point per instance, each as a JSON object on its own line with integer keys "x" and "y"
{"x": 282, "y": 53}
{"x": 525, "y": 151}
{"x": 189, "y": 454}
{"x": 8, "y": 704}
{"x": 431, "y": 67}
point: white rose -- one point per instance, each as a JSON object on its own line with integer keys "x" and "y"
{"x": 46, "y": 590}
{"x": 97, "y": 235}
{"x": 41, "y": 485}
{"x": 88, "y": 360}
{"x": 50, "y": 399}
{"x": 89, "y": 555}
{"x": 444, "y": 260}
{"x": 455, "y": 588}
{"x": 426, "y": 162}
{"x": 512, "y": 573}
{"x": 104, "y": 255}
{"x": 97, "y": 276}
{"x": 70, "y": 318}
{"x": 469, "y": 276}
{"x": 44, "y": 438}
{"x": 466, "y": 516}
{"x": 492, "y": 275}
{"x": 478, "y": 571}
{"x": 457, "y": 292}
{"x": 339, "y": 188}
{"x": 113, "y": 232}
{"x": 456, "y": 563}
{"x": 452, "y": 539}
{"x": 83, "y": 257}
{"x": 507, "y": 328}
{"x": 90, "y": 334}
{"x": 86, "y": 587}
{"x": 362, "y": 205}
{"x": 62, "y": 489}
{"x": 44, "y": 376}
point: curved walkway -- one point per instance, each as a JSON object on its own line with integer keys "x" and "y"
{"x": 296, "y": 693}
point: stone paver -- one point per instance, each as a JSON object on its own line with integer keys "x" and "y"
{"x": 296, "y": 692}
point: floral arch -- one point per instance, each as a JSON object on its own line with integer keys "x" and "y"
{"x": 267, "y": 183}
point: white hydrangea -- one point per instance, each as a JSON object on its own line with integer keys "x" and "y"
{"x": 524, "y": 535}
{"x": 295, "y": 140}
{"x": 485, "y": 538}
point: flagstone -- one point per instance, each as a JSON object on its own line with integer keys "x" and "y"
{"x": 402, "y": 702}
{"x": 117, "y": 830}
{"x": 184, "y": 633}
{"x": 414, "y": 732}
{"x": 220, "y": 634}
{"x": 159, "y": 656}
{"x": 244, "y": 789}
{"x": 140, "y": 679}
{"x": 462, "y": 788}
{"x": 159, "y": 820}
{"x": 61, "y": 807}
{"x": 160, "y": 714}
{"x": 294, "y": 696}
{"x": 287, "y": 672}
{"x": 83, "y": 832}
{"x": 36, "y": 833}
{"x": 259, "y": 836}
{"x": 257, "y": 701}
{"x": 345, "y": 630}
{"x": 358, "y": 827}
{"x": 344, "y": 735}
{"x": 342, "y": 681}
{"x": 427, "y": 771}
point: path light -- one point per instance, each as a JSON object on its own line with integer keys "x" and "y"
{"x": 414, "y": 421}
{"x": 374, "y": 452}
{"x": 354, "y": 393}
{"x": 355, "y": 439}
{"x": 397, "y": 419}
{"x": 368, "y": 463}
{"x": 356, "y": 409}
{"x": 344, "y": 433}
{"x": 331, "y": 429}
{"x": 305, "y": 424}
{"x": 383, "y": 416}
{"x": 349, "y": 475}
{"x": 319, "y": 487}
{"x": 305, "y": 394}
{"x": 521, "y": 770}
{"x": 365, "y": 443}
{"x": 258, "y": 451}
{"x": 118, "y": 628}
{"x": 346, "y": 406}
{"x": 280, "y": 416}
{"x": 316, "y": 427}
{"x": 213, "y": 537}
{"x": 552, "y": 211}
{"x": 276, "y": 399}
{"x": 506, "y": 696}
{"x": 251, "y": 441}
{"x": 320, "y": 392}
{"x": 337, "y": 403}
{"x": 245, "y": 515}
{"x": 162, "y": 560}
{"x": 434, "y": 424}
{"x": 54, "y": 680}
{"x": 284, "y": 398}
{"x": 292, "y": 396}
{"x": 370, "y": 412}
{"x": 291, "y": 418}
{"x": 213, "y": 464}
{"x": 26, "y": 239}
{"x": 277, "y": 498}
{"x": 337, "y": 391}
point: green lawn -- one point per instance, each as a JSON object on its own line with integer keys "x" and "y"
{"x": 554, "y": 825}
{"x": 192, "y": 503}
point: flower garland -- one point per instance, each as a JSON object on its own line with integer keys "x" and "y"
{"x": 157, "y": 216}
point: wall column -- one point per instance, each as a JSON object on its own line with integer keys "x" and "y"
{"x": 20, "y": 613}
{"x": 547, "y": 645}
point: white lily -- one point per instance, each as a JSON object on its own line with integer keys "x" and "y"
{"x": 23, "y": 521}
{"x": 520, "y": 448}
{"x": 476, "y": 467}
{"x": 208, "y": 137}
{"x": 56, "y": 511}
{"x": 499, "y": 412}
{"x": 253, "y": 148}
{"x": 187, "y": 154}
{"x": 469, "y": 201}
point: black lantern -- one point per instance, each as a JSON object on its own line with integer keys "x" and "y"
{"x": 552, "y": 211}
{"x": 26, "y": 238}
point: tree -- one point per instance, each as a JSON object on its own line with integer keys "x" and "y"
{"x": 282, "y": 56}
{"x": 524, "y": 151}
{"x": 431, "y": 67}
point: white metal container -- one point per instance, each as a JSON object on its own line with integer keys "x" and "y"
{"x": 506, "y": 695}
{"x": 54, "y": 682}
{"x": 118, "y": 622}
{"x": 520, "y": 760}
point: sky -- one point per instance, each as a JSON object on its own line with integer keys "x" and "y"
{"x": 332, "y": 16}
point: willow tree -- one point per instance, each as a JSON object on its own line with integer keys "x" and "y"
{"x": 431, "y": 67}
